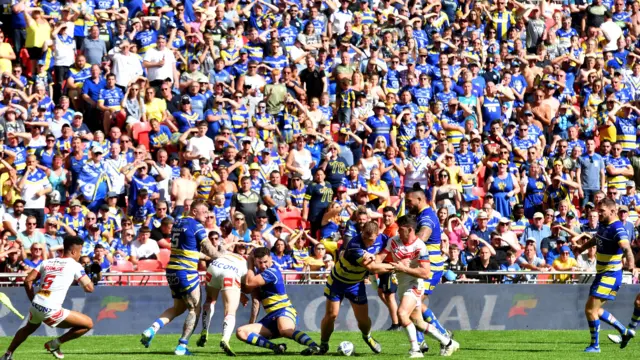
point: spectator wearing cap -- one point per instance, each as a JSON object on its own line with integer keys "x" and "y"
{"x": 125, "y": 65}
{"x": 143, "y": 248}
{"x": 536, "y": 230}
{"x": 52, "y": 237}
{"x": 481, "y": 229}
{"x": 107, "y": 221}
{"x": 531, "y": 260}
{"x": 630, "y": 198}
{"x": 256, "y": 180}
{"x": 550, "y": 246}
{"x": 93, "y": 237}
{"x": 564, "y": 262}
{"x": 185, "y": 118}
{"x": 379, "y": 124}
{"x": 618, "y": 168}
{"x": 34, "y": 186}
{"x": 139, "y": 178}
{"x": 160, "y": 63}
{"x": 623, "y": 214}
{"x": 559, "y": 190}
{"x": 79, "y": 128}
{"x": 265, "y": 229}
{"x": 193, "y": 74}
{"x": 587, "y": 260}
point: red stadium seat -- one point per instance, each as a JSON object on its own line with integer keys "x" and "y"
{"x": 122, "y": 266}
{"x": 163, "y": 257}
{"x": 479, "y": 192}
{"x": 140, "y": 133}
{"x": 292, "y": 277}
{"x": 291, "y": 218}
{"x": 149, "y": 265}
{"x": 335, "y": 130}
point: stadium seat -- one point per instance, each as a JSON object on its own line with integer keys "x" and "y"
{"x": 292, "y": 278}
{"x": 163, "y": 257}
{"x": 291, "y": 218}
{"x": 140, "y": 132}
{"x": 149, "y": 265}
{"x": 120, "y": 266}
{"x": 335, "y": 130}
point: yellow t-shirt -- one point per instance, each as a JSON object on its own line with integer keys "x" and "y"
{"x": 155, "y": 109}
{"x": 380, "y": 187}
{"x": 5, "y": 64}
{"x": 571, "y": 262}
{"x": 6, "y": 188}
{"x": 37, "y": 34}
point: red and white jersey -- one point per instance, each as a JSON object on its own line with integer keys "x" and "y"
{"x": 416, "y": 252}
{"x": 56, "y": 276}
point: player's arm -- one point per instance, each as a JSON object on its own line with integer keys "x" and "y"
{"x": 374, "y": 264}
{"x": 86, "y": 284}
{"x": 252, "y": 280}
{"x": 421, "y": 272}
{"x": 627, "y": 254}
{"x": 424, "y": 233}
{"x": 32, "y": 277}
{"x": 589, "y": 244}
{"x": 206, "y": 247}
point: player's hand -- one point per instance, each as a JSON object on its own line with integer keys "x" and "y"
{"x": 399, "y": 266}
{"x": 244, "y": 300}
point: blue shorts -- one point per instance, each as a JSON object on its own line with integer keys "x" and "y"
{"x": 431, "y": 283}
{"x": 388, "y": 283}
{"x": 336, "y": 290}
{"x": 606, "y": 285}
{"x": 182, "y": 282}
{"x": 270, "y": 321}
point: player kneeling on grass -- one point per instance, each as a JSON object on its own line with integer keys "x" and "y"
{"x": 56, "y": 275}
{"x": 225, "y": 274}
{"x": 411, "y": 263}
{"x": 281, "y": 318}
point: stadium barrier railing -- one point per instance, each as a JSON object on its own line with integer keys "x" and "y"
{"x": 319, "y": 277}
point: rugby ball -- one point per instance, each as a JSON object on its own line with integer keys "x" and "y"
{"x": 345, "y": 348}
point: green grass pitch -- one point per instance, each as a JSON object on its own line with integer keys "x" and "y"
{"x": 529, "y": 345}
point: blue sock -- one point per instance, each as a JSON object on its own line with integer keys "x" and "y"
{"x": 259, "y": 340}
{"x": 634, "y": 319}
{"x": 611, "y": 320}
{"x": 420, "y": 336}
{"x": 594, "y": 328}
{"x": 303, "y": 339}
{"x": 157, "y": 325}
{"x": 184, "y": 342}
{"x": 430, "y": 318}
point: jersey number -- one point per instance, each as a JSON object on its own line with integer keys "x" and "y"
{"x": 175, "y": 238}
{"x": 47, "y": 281}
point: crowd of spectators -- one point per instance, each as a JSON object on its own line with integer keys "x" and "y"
{"x": 299, "y": 121}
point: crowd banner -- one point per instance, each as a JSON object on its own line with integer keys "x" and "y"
{"x": 129, "y": 310}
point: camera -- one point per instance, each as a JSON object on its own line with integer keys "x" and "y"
{"x": 93, "y": 271}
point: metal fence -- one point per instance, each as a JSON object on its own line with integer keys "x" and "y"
{"x": 319, "y": 277}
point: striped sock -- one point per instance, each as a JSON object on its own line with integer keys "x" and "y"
{"x": 430, "y": 318}
{"x": 611, "y": 320}
{"x": 594, "y": 328}
{"x": 157, "y": 325}
{"x": 259, "y": 340}
{"x": 634, "y": 319}
{"x": 303, "y": 339}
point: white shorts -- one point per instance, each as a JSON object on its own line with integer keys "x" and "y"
{"x": 223, "y": 279}
{"x": 414, "y": 289}
{"x": 52, "y": 317}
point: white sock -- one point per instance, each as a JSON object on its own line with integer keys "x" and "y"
{"x": 207, "y": 315}
{"x": 227, "y": 327}
{"x": 434, "y": 333}
{"x": 411, "y": 333}
{"x": 55, "y": 343}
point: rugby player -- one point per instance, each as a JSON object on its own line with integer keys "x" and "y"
{"x": 55, "y": 275}
{"x": 281, "y": 318}
{"x": 360, "y": 256}
{"x": 612, "y": 242}
{"x": 188, "y": 239}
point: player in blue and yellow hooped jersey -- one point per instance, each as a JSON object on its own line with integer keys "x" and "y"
{"x": 188, "y": 240}
{"x": 357, "y": 259}
{"x": 281, "y": 318}
{"x": 430, "y": 232}
{"x": 612, "y": 242}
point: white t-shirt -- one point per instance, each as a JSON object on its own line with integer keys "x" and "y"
{"x": 113, "y": 167}
{"x": 612, "y": 33}
{"x": 163, "y": 186}
{"x": 145, "y": 250}
{"x": 125, "y": 67}
{"x": 416, "y": 252}
{"x": 166, "y": 70}
{"x": 201, "y": 147}
{"x": 56, "y": 275}
{"x": 18, "y": 224}
{"x": 30, "y": 189}
{"x": 65, "y": 51}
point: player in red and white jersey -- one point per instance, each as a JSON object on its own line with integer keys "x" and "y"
{"x": 225, "y": 274}
{"x": 411, "y": 263}
{"x": 56, "y": 276}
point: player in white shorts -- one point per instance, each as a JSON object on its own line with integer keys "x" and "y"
{"x": 225, "y": 274}
{"x": 56, "y": 275}
{"x": 411, "y": 264}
